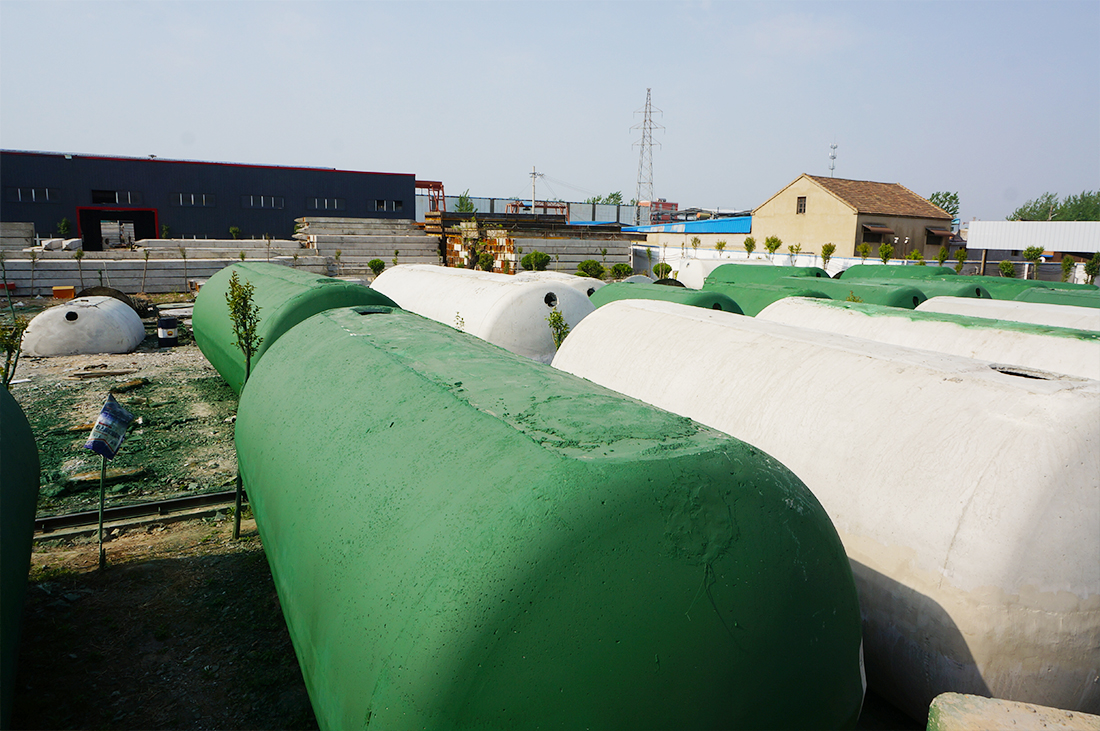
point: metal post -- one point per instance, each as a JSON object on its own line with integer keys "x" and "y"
{"x": 102, "y": 490}
{"x": 237, "y": 509}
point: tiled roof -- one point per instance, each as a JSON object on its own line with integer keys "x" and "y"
{"x": 885, "y": 199}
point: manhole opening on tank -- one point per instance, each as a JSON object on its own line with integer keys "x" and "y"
{"x": 551, "y": 299}
{"x": 71, "y": 316}
{"x": 1021, "y": 372}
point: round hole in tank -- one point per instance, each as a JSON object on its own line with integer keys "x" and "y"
{"x": 716, "y": 306}
{"x": 591, "y": 290}
{"x": 550, "y": 299}
{"x": 916, "y": 301}
{"x": 71, "y": 316}
{"x": 977, "y": 292}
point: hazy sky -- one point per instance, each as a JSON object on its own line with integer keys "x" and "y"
{"x": 999, "y": 101}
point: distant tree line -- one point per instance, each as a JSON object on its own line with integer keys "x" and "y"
{"x": 1047, "y": 207}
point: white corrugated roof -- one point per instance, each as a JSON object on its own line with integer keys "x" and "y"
{"x": 1019, "y": 235}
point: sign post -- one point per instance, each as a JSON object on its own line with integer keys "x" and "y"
{"x": 106, "y": 438}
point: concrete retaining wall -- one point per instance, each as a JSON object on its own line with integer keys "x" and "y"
{"x": 966, "y": 498}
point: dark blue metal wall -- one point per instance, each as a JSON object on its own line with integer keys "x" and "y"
{"x": 154, "y": 186}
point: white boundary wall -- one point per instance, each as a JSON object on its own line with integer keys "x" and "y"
{"x": 968, "y": 500}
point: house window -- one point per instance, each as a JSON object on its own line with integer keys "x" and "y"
{"x": 380, "y": 205}
{"x": 116, "y": 197}
{"x": 261, "y": 201}
{"x": 872, "y": 238}
{"x": 325, "y": 204}
{"x": 189, "y": 200}
{"x": 30, "y": 195}
{"x": 801, "y": 204}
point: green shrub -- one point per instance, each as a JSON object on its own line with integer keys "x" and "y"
{"x": 64, "y": 227}
{"x": 1092, "y": 268}
{"x": 376, "y": 266}
{"x": 917, "y": 256}
{"x": 591, "y": 268}
{"x": 662, "y": 270}
{"x": 941, "y": 255}
{"x": 1008, "y": 269}
{"x": 960, "y": 259}
{"x": 718, "y": 246}
{"x": 863, "y": 251}
{"x": 235, "y": 231}
{"x": 772, "y": 244}
{"x": 750, "y": 245}
{"x": 885, "y": 252}
{"x": 485, "y": 261}
{"x": 1067, "y": 267}
{"x": 622, "y": 270}
{"x": 559, "y": 328}
{"x": 827, "y": 252}
{"x": 535, "y": 261}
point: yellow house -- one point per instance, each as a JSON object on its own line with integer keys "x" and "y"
{"x": 813, "y": 211}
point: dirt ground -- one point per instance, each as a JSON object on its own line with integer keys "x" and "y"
{"x": 183, "y": 628}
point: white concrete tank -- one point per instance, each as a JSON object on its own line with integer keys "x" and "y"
{"x": 1038, "y": 313}
{"x": 1055, "y": 349}
{"x": 693, "y": 272}
{"x": 584, "y": 285}
{"x": 84, "y": 325}
{"x": 968, "y": 499}
{"x": 505, "y": 310}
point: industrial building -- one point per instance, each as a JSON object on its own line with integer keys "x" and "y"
{"x": 146, "y": 198}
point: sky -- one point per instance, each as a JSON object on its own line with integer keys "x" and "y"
{"x": 998, "y": 101}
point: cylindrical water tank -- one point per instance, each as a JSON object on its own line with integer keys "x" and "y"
{"x": 751, "y": 298}
{"x": 585, "y": 285}
{"x": 285, "y": 296}
{"x": 475, "y": 540}
{"x": 508, "y": 311}
{"x": 707, "y": 299}
{"x": 883, "y": 271}
{"x": 1071, "y": 297}
{"x": 757, "y": 274}
{"x": 940, "y": 287}
{"x": 967, "y": 498}
{"x": 84, "y": 325}
{"x": 1001, "y": 288}
{"x": 1054, "y": 349}
{"x": 18, "y": 500}
{"x": 892, "y": 294}
{"x": 1039, "y": 313}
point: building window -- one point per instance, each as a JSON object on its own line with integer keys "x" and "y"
{"x": 30, "y": 195}
{"x": 324, "y": 204}
{"x": 116, "y": 197}
{"x": 261, "y": 201}
{"x": 871, "y": 238}
{"x": 189, "y": 200}
{"x": 380, "y": 205}
{"x": 801, "y": 204}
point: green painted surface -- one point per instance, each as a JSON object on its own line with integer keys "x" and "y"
{"x": 285, "y": 296}
{"x": 1078, "y": 298}
{"x": 640, "y": 290}
{"x": 761, "y": 273}
{"x": 891, "y": 294}
{"x": 752, "y": 298}
{"x": 1002, "y": 288}
{"x": 940, "y": 287}
{"x": 464, "y": 539}
{"x": 978, "y": 323}
{"x": 893, "y": 271}
{"x": 18, "y": 498}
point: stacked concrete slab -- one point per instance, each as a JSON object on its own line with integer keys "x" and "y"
{"x": 361, "y": 239}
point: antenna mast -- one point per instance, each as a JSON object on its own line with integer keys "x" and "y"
{"x": 534, "y": 176}
{"x": 645, "y": 160}
{"x": 832, "y": 159}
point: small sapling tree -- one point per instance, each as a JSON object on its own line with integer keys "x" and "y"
{"x": 245, "y": 316}
{"x": 794, "y": 250}
{"x": 183, "y": 254}
{"x": 827, "y": 251}
{"x": 1034, "y": 254}
{"x": 750, "y": 246}
{"x": 78, "y": 255}
{"x": 695, "y": 246}
{"x": 885, "y": 252}
{"x": 772, "y": 244}
{"x": 34, "y": 261}
{"x": 960, "y": 260}
{"x": 235, "y": 231}
{"x": 1092, "y": 268}
{"x": 1008, "y": 269}
{"x": 63, "y": 227}
{"x": 376, "y": 266}
{"x": 559, "y": 328}
{"x": 395, "y": 254}
{"x": 718, "y": 246}
{"x": 863, "y": 251}
{"x": 1067, "y": 268}
{"x": 941, "y": 255}
{"x": 662, "y": 270}
{"x": 917, "y": 256}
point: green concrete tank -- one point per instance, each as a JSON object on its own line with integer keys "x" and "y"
{"x": 19, "y": 476}
{"x": 285, "y": 296}
{"x": 938, "y": 287}
{"x": 890, "y": 294}
{"x": 893, "y": 271}
{"x": 462, "y": 538}
{"x": 761, "y": 273}
{"x": 648, "y": 291}
{"x": 1078, "y": 297}
{"x": 752, "y": 298}
{"x": 1001, "y": 288}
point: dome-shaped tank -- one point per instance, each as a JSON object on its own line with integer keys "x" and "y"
{"x": 763, "y": 274}
{"x": 474, "y": 540}
{"x": 585, "y": 285}
{"x": 1054, "y": 349}
{"x": 1039, "y": 313}
{"x": 966, "y": 495}
{"x": 84, "y": 325}
{"x": 892, "y": 294}
{"x": 285, "y": 296}
{"x": 18, "y": 499}
{"x": 1071, "y": 297}
{"x": 509, "y": 311}
{"x": 752, "y": 298}
{"x": 894, "y": 271}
